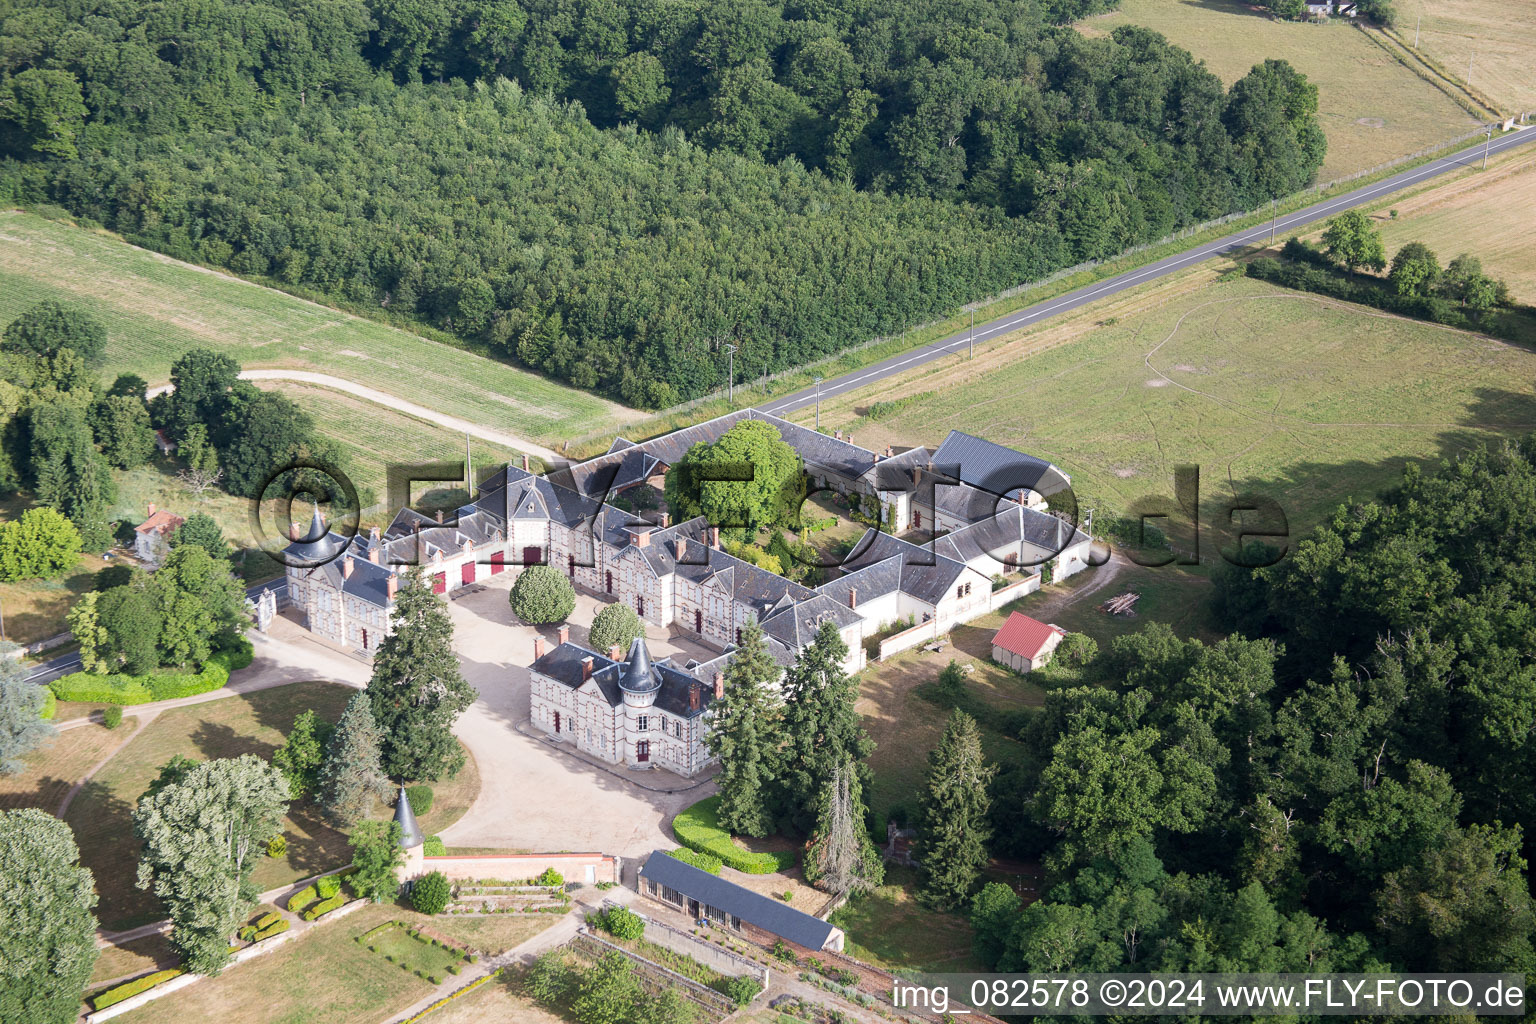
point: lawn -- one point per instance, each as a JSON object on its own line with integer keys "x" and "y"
{"x": 141, "y": 956}
{"x": 490, "y": 934}
{"x": 157, "y": 484}
{"x": 417, "y": 956}
{"x": 155, "y": 308}
{"x": 59, "y": 763}
{"x": 1305, "y": 400}
{"x": 1371, "y": 108}
{"x": 1496, "y": 37}
{"x": 888, "y": 928}
{"x": 35, "y": 609}
{"x": 501, "y": 999}
{"x": 253, "y": 723}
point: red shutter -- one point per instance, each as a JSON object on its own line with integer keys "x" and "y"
{"x": 440, "y": 583}
{"x": 498, "y": 562}
{"x": 533, "y": 555}
{"x": 468, "y": 575}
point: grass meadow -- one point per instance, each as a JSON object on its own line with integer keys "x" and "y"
{"x": 1497, "y": 38}
{"x": 155, "y": 308}
{"x": 1371, "y": 107}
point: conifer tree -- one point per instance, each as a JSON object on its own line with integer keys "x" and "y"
{"x": 302, "y": 753}
{"x": 21, "y": 706}
{"x": 841, "y": 857}
{"x": 952, "y": 831}
{"x": 416, "y": 689}
{"x": 822, "y": 731}
{"x": 352, "y": 777}
{"x": 743, "y": 734}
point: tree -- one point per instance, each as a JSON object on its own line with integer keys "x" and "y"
{"x": 743, "y": 734}
{"x": 47, "y": 930}
{"x": 1415, "y": 270}
{"x": 50, "y": 327}
{"x": 202, "y": 471}
{"x": 607, "y": 992}
{"x": 42, "y": 114}
{"x": 1277, "y": 145}
{"x": 69, "y": 474}
{"x": 42, "y": 544}
{"x": 128, "y": 621}
{"x": 951, "y": 681}
{"x": 1353, "y": 240}
{"x": 376, "y": 854}
{"x": 431, "y": 893}
{"x": 841, "y": 857}
{"x": 822, "y": 730}
{"x": 202, "y": 606}
{"x": 21, "y": 706}
{"x": 993, "y": 912}
{"x": 416, "y": 689}
{"x": 121, "y": 427}
{"x": 201, "y": 382}
{"x": 302, "y": 753}
{"x": 749, "y": 478}
{"x": 201, "y": 837}
{"x": 542, "y": 594}
{"x": 267, "y": 432}
{"x": 952, "y": 832}
{"x": 352, "y": 776}
{"x": 202, "y": 530}
{"x": 616, "y": 625}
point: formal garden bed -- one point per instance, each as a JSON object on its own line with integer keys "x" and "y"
{"x": 416, "y": 952}
{"x": 542, "y": 895}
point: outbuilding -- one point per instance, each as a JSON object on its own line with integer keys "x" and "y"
{"x": 703, "y": 896}
{"x": 1024, "y": 644}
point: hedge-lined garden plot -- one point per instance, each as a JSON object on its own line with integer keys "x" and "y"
{"x": 493, "y": 896}
{"x": 416, "y": 952}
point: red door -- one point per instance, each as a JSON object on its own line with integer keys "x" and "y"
{"x": 608, "y": 582}
{"x": 570, "y": 566}
{"x": 469, "y": 572}
{"x": 498, "y": 562}
{"x": 533, "y": 555}
{"x": 917, "y": 519}
{"x": 440, "y": 583}
{"x": 643, "y": 750}
{"x": 365, "y": 639}
{"x": 557, "y": 721}
{"x": 698, "y": 621}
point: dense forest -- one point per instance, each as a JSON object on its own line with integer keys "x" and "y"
{"x": 1343, "y": 783}
{"x": 610, "y": 192}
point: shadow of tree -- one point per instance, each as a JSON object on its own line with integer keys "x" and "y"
{"x": 216, "y": 740}
{"x": 103, "y": 826}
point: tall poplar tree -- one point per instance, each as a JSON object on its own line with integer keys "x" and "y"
{"x": 352, "y": 777}
{"x": 417, "y": 690}
{"x": 47, "y": 931}
{"x": 822, "y": 731}
{"x": 952, "y": 830}
{"x": 744, "y": 735}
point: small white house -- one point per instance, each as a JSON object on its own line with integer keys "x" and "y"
{"x": 152, "y": 537}
{"x": 1025, "y": 644}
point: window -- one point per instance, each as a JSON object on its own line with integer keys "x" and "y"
{"x": 639, "y": 606}
{"x": 643, "y": 723}
{"x": 677, "y": 728}
{"x": 963, "y": 590}
{"x": 738, "y": 636}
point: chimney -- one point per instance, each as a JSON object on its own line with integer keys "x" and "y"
{"x": 346, "y": 567}
{"x": 890, "y": 452}
{"x": 439, "y": 515}
{"x": 682, "y": 547}
{"x": 643, "y": 538}
{"x": 586, "y": 668}
{"x": 853, "y": 597}
{"x": 293, "y": 529}
{"x": 695, "y": 693}
{"x": 373, "y": 554}
{"x": 849, "y": 439}
{"x": 393, "y": 586}
{"x": 666, "y": 520}
{"x": 538, "y": 647}
{"x": 373, "y": 535}
{"x": 525, "y": 463}
{"x": 151, "y": 508}
{"x": 714, "y": 537}
{"x": 838, "y": 434}
{"x": 563, "y": 634}
{"x": 719, "y": 685}
{"x": 615, "y": 653}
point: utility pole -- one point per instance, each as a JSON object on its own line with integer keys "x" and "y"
{"x": 469, "y": 471}
{"x": 818, "y": 404}
{"x": 730, "y": 392}
{"x": 973, "y": 336}
{"x": 1487, "y": 146}
{"x": 1272, "y": 217}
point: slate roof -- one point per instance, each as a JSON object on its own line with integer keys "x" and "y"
{"x": 768, "y": 914}
{"x": 796, "y": 624}
{"x": 1025, "y": 636}
{"x": 638, "y": 673}
{"x": 996, "y": 468}
{"x": 410, "y": 832}
{"x": 925, "y": 574}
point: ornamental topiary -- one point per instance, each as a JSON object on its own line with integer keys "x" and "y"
{"x": 541, "y": 595}
{"x": 615, "y": 626}
{"x": 431, "y": 893}
{"x": 420, "y": 798}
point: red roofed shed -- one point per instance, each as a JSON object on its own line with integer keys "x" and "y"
{"x": 1025, "y": 643}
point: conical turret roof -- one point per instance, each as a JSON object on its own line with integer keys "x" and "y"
{"x": 638, "y": 677}
{"x": 410, "y": 832}
{"x": 317, "y": 546}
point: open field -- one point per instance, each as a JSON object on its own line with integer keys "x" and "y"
{"x": 155, "y": 308}
{"x": 59, "y": 763}
{"x": 1497, "y": 37}
{"x": 101, "y": 815}
{"x": 1486, "y": 214}
{"x": 1371, "y": 108}
{"x": 1304, "y": 399}
{"x": 889, "y": 929}
{"x": 141, "y": 956}
{"x": 499, "y": 1000}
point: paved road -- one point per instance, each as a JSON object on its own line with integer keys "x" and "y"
{"x": 47, "y": 671}
{"x": 1470, "y": 156}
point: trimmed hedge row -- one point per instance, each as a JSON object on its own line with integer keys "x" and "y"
{"x": 277, "y": 927}
{"x": 703, "y": 861}
{"x": 698, "y": 828}
{"x": 325, "y": 907}
{"x": 434, "y": 847}
{"x": 129, "y": 989}
{"x": 116, "y": 688}
{"x": 303, "y": 898}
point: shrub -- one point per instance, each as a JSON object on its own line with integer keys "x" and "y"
{"x": 116, "y": 688}
{"x": 268, "y": 919}
{"x": 621, "y": 923}
{"x": 112, "y": 716}
{"x": 113, "y": 996}
{"x": 542, "y": 594}
{"x": 550, "y": 877}
{"x": 301, "y": 899}
{"x": 431, "y": 893}
{"x": 277, "y": 846}
{"x": 703, "y": 861}
{"x": 698, "y": 828}
{"x": 420, "y": 798}
{"x": 324, "y": 907}
{"x": 434, "y": 847}
{"x": 741, "y": 990}
{"x": 328, "y": 886}
{"x": 277, "y": 927}
{"x": 616, "y": 625}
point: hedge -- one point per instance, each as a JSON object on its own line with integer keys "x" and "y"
{"x": 698, "y": 828}
{"x": 303, "y": 898}
{"x": 420, "y": 799}
{"x": 327, "y": 886}
{"x": 455, "y": 995}
{"x": 703, "y": 861}
{"x": 277, "y": 927}
{"x": 116, "y": 688}
{"x": 127, "y": 990}
{"x": 434, "y": 847}
{"x": 325, "y": 907}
